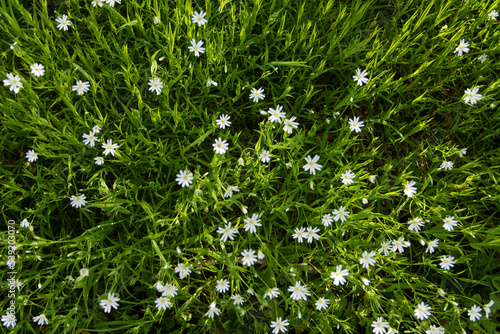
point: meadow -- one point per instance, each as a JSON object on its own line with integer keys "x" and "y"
{"x": 183, "y": 166}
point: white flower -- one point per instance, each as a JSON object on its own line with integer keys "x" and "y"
{"x": 399, "y": 245}
{"x": 367, "y": 259}
{"x": 265, "y": 156}
{"x": 169, "y": 290}
{"x": 183, "y": 270}
{"x": 311, "y": 166}
{"x": 364, "y": 201}
{"x": 110, "y": 302}
{"x": 289, "y": 125}
{"x": 372, "y": 178}
{"x": 341, "y": 214}
{"x": 223, "y": 121}
{"x": 449, "y": 223}
{"x": 252, "y": 223}
{"x": 14, "y": 81}
{"x": 338, "y": 275}
{"x": 446, "y": 165}
{"x": 84, "y": 272}
{"x": 487, "y": 309}
{"x": 492, "y": 15}
{"x": 96, "y": 129}
{"x": 260, "y": 255}
{"x": 155, "y": 85}
{"x": 212, "y": 310}
{"x": 257, "y": 95}
{"x": 447, "y": 262}
{"x": 37, "y": 69}
{"x": 355, "y": 124}
{"x": 415, "y": 224}
{"x": 89, "y": 139}
{"x": 31, "y": 156}
{"x": 347, "y": 177}
{"x": 199, "y": 18}
{"x": 196, "y": 47}
{"x": 64, "y": 23}
{"x": 385, "y": 247}
{"x": 474, "y": 313}
{"x": 360, "y": 77}
{"x": 435, "y": 330}
{"x": 9, "y": 320}
{"x": 472, "y": 95}
{"x": 365, "y": 281}
{"x": 156, "y": 20}
{"x": 238, "y": 300}
{"x": 422, "y": 311}
{"x": 184, "y": 178}
{"x": 482, "y": 58}
{"x": 96, "y": 3}
{"x": 312, "y": 234}
{"x": 462, "y": 152}
{"x": 271, "y": 293}
{"x": 109, "y": 147}
{"x": 41, "y": 320}
{"x": 279, "y": 325}
{"x": 112, "y": 2}
{"x": 322, "y": 303}
{"x": 220, "y": 146}
{"x": 248, "y": 257}
{"x": 229, "y": 191}
{"x": 24, "y": 223}
{"x": 462, "y": 47}
{"x": 276, "y": 114}
{"x": 380, "y": 325}
{"x": 299, "y": 291}
{"x": 410, "y": 190}
{"x": 327, "y": 220}
{"x": 431, "y": 245}
{"x": 222, "y": 286}
{"x": 81, "y": 87}
{"x": 162, "y": 303}
{"x": 78, "y": 201}
{"x": 300, "y": 234}
{"x": 99, "y": 160}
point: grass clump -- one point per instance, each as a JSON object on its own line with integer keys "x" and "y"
{"x": 284, "y": 166}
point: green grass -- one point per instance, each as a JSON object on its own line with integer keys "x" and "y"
{"x": 138, "y": 223}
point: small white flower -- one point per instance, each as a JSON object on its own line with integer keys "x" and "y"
{"x": 355, "y": 124}
{"x": 64, "y": 23}
{"x": 409, "y": 189}
{"x": 265, "y": 156}
{"x": 220, "y": 146}
{"x": 24, "y": 223}
{"x": 367, "y": 259}
{"x": 196, "y": 47}
{"x": 252, "y": 223}
{"x": 327, "y": 220}
{"x": 341, "y": 214}
{"x": 109, "y": 147}
{"x": 289, "y": 125}
{"x": 31, "y": 156}
{"x": 183, "y": 270}
{"x": 322, "y": 303}
{"x": 112, "y": 2}
{"x": 41, "y": 320}
{"x": 96, "y": 129}
{"x": 483, "y": 58}
{"x": 78, "y": 201}
{"x": 311, "y": 166}
{"x": 360, "y": 77}
{"x": 380, "y": 325}
{"x": 446, "y": 165}
{"x": 422, "y": 311}
{"x": 212, "y": 310}
{"x": 347, "y": 177}
{"x": 248, "y": 257}
{"x": 312, "y": 234}
{"x": 492, "y": 15}
{"x": 9, "y": 320}
{"x": 435, "y": 330}
{"x": 400, "y": 245}
{"x": 372, "y": 178}
{"x": 276, "y": 114}
{"x": 431, "y": 245}
{"x": 447, "y": 262}
{"x": 338, "y": 275}
{"x": 99, "y": 160}
{"x": 37, "y": 69}
{"x": 257, "y": 95}
{"x": 415, "y": 224}
{"x": 386, "y": 247}
{"x": 462, "y": 47}
{"x": 96, "y": 3}
{"x": 260, "y": 255}
{"x": 299, "y": 292}
{"x": 110, "y": 302}
{"x": 155, "y": 85}
{"x": 169, "y": 290}
{"x": 81, "y": 87}
{"x": 279, "y": 325}
{"x": 300, "y": 234}
{"x": 199, "y": 18}
{"x": 89, "y": 139}
{"x": 162, "y": 303}
{"x": 487, "y": 308}
{"x": 222, "y": 286}
{"x": 271, "y": 293}
{"x": 450, "y": 223}
{"x": 472, "y": 95}
{"x": 238, "y": 300}
{"x": 84, "y": 272}
{"x": 462, "y": 152}
{"x": 14, "y": 82}
{"x": 184, "y": 178}
{"x": 223, "y": 121}
{"x": 229, "y": 191}
{"x": 474, "y": 313}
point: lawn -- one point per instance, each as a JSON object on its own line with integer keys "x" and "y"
{"x": 250, "y": 166}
